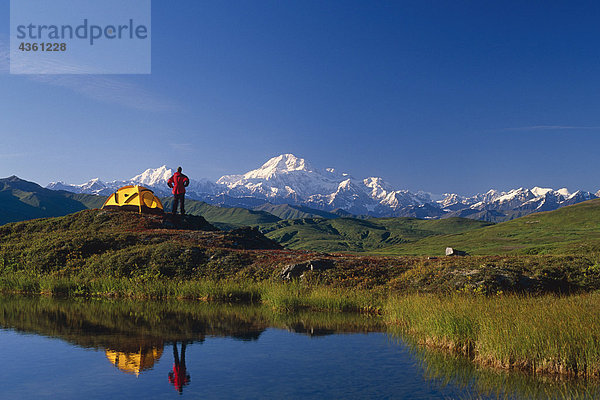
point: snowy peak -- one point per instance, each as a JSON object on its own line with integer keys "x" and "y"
{"x": 579, "y": 196}
{"x": 378, "y": 188}
{"x": 538, "y": 191}
{"x": 153, "y": 176}
{"x": 283, "y": 176}
{"x": 516, "y": 195}
{"x": 94, "y": 184}
{"x": 287, "y": 176}
{"x": 282, "y": 164}
{"x": 451, "y": 200}
{"x": 522, "y": 199}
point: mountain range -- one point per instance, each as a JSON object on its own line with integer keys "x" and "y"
{"x": 287, "y": 179}
{"x": 568, "y": 229}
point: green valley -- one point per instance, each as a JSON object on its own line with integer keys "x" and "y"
{"x": 358, "y": 235}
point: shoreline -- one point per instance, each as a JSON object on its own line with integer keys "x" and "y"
{"x": 547, "y": 334}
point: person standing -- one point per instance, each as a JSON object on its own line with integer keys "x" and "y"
{"x": 178, "y": 182}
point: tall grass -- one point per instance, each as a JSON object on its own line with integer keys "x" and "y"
{"x": 295, "y": 296}
{"x": 149, "y": 288}
{"x": 282, "y": 296}
{"x": 547, "y": 334}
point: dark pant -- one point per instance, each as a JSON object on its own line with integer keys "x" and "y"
{"x": 179, "y": 199}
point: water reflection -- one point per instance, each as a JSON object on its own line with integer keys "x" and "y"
{"x": 179, "y": 377}
{"x": 135, "y": 361}
{"x": 133, "y": 335}
{"x": 160, "y": 340}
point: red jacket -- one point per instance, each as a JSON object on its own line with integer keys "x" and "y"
{"x": 178, "y": 182}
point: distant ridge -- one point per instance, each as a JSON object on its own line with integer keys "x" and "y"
{"x": 22, "y": 200}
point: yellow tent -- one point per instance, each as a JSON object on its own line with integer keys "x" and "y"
{"x": 134, "y": 362}
{"x": 134, "y": 198}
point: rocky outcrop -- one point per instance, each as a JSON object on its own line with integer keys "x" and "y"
{"x": 295, "y": 271}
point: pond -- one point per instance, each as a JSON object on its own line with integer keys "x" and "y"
{"x": 97, "y": 349}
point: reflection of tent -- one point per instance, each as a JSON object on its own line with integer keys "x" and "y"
{"x": 134, "y": 362}
{"x": 134, "y": 198}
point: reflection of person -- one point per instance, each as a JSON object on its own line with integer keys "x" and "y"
{"x": 179, "y": 376}
{"x": 178, "y": 182}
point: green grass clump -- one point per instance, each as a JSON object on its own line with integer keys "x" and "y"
{"x": 294, "y": 296}
{"x": 546, "y": 334}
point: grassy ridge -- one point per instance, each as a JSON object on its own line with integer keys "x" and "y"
{"x": 569, "y": 230}
{"x": 22, "y": 200}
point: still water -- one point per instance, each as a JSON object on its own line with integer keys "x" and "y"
{"x": 97, "y": 349}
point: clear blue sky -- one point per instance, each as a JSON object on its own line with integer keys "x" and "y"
{"x": 442, "y": 96}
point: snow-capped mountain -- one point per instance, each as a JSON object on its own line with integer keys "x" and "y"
{"x": 94, "y": 186}
{"x": 284, "y": 176}
{"x": 154, "y": 178}
{"x": 500, "y": 206}
{"x": 287, "y": 179}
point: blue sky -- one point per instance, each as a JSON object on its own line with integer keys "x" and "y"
{"x": 442, "y": 96}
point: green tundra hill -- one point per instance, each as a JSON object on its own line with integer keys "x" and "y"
{"x": 569, "y": 230}
{"x": 358, "y": 235}
{"x": 120, "y": 243}
{"x": 324, "y": 231}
